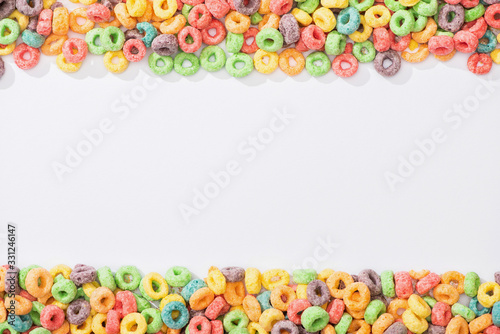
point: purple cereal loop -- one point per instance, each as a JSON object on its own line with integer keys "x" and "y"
{"x": 78, "y": 311}
{"x": 382, "y": 299}
{"x": 372, "y": 280}
{"x": 56, "y": 4}
{"x": 285, "y": 325}
{"x": 302, "y": 330}
{"x": 497, "y": 277}
{"x": 392, "y": 69}
{"x": 289, "y": 28}
{"x": 318, "y": 293}
{"x": 32, "y": 23}
{"x": 110, "y": 3}
{"x": 165, "y": 44}
{"x": 193, "y": 313}
{"x": 233, "y": 274}
{"x": 6, "y": 8}
{"x": 82, "y": 274}
{"x": 355, "y": 278}
{"x": 250, "y": 8}
{"x": 433, "y": 329}
{"x": 25, "y": 8}
{"x": 12, "y": 274}
{"x": 396, "y": 328}
{"x": 456, "y": 23}
{"x": 133, "y": 34}
{"x": 491, "y": 2}
{"x": 2, "y": 68}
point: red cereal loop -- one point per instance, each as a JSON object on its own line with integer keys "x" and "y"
{"x": 180, "y": 4}
{"x": 98, "y": 13}
{"x": 280, "y": 7}
{"x": 399, "y": 43}
{"x": 231, "y": 4}
{"x": 348, "y": 48}
{"x": 218, "y": 37}
{"x": 492, "y": 330}
{"x": 44, "y": 25}
{"x": 134, "y": 50}
{"x": 52, "y": 317}
{"x": 491, "y": 14}
{"x": 113, "y": 320}
{"x": 69, "y": 48}
{"x": 192, "y": 2}
{"x": 477, "y": 27}
{"x": 469, "y": 3}
{"x": 218, "y": 8}
{"x": 217, "y": 307}
{"x": 335, "y": 310}
{"x": 479, "y": 63}
{"x": 195, "y": 34}
{"x": 403, "y": 284}
{"x": 345, "y": 72}
{"x": 314, "y": 38}
{"x": 247, "y": 35}
{"x": 441, "y": 314}
{"x": 199, "y": 16}
{"x": 21, "y": 62}
{"x": 430, "y": 281}
{"x": 26, "y": 295}
{"x": 381, "y": 39}
{"x": 300, "y": 45}
{"x": 295, "y": 309}
{"x": 200, "y": 325}
{"x": 125, "y": 303}
{"x": 217, "y": 327}
{"x": 465, "y": 41}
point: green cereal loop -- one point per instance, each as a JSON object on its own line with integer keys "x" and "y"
{"x": 64, "y": 291}
{"x": 185, "y": 11}
{"x": 426, "y": 7}
{"x": 304, "y": 276}
{"x": 23, "y": 273}
{"x": 239, "y": 58}
{"x": 166, "y": 68}
{"x": 361, "y": 6}
{"x": 235, "y": 319}
{"x": 335, "y": 43}
{"x": 402, "y": 22}
{"x": 58, "y": 278}
{"x": 178, "y": 276}
{"x": 234, "y": 42}
{"x": 388, "y": 288}
{"x": 5, "y": 326}
{"x": 269, "y": 39}
{"x": 219, "y": 58}
{"x": 128, "y": 278}
{"x": 317, "y": 70}
{"x": 420, "y": 22}
{"x": 463, "y": 311}
{"x": 239, "y": 331}
{"x": 471, "y": 284}
{"x": 314, "y": 319}
{"x": 112, "y": 38}
{"x": 40, "y": 330}
{"x": 308, "y": 6}
{"x": 344, "y": 324}
{"x": 14, "y": 28}
{"x": 441, "y": 32}
{"x": 430, "y": 301}
{"x": 179, "y": 61}
{"x": 394, "y": 5}
{"x": 374, "y": 310}
{"x": 105, "y": 277}
{"x": 81, "y": 294}
{"x": 153, "y": 319}
{"x": 91, "y": 38}
{"x": 255, "y": 18}
{"x": 142, "y": 303}
{"x": 474, "y": 13}
{"x": 36, "y": 309}
{"x": 364, "y": 52}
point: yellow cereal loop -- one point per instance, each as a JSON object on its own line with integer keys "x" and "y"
{"x": 256, "y": 328}
{"x": 414, "y": 323}
{"x": 237, "y": 308}
{"x": 155, "y": 286}
{"x": 416, "y": 57}
{"x": 48, "y": 3}
{"x": 133, "y": 323}
{"x": 488, "y": 294}
{"x": 87, "y": 2}
{"x": 301, "y": 291}
{"x": 136, "y": 8}
{"x": 413, "y": 45}
{"x": 361, "y": 36}
{"x": 377, "y": 16}
{"x": 118, "y": 67}
{"x": 269, "y": 317}
{"x": 99, "y": 323}
{"x": 408, "y": 3}
{"x": 324, "y": 18}
{"x": 171, "y": 298}
{"x": 252, "y": 280}
{"x": 59, "y": 304}
{"x": 6, "y": 50}
{"x": 21, "y": 19}
{"x": 88, "y": 288}
{"x": 85, "y": 328}
{"x": 335, "y": 3}
{"x": 60, "y": 269}
{"x": 164, "y": 9}
{"x": 419, "y": 306}
{"x": 124, "y": 17}
{"x": 216, "y": 281}
{"x": 275, "y": 277}
{"x": 260, "y": 58}
{"x": 173, "y": 25}
{"x": 302, "y": 17}
{"x": 495, "y": 56}
{"x": 324, "y": 274}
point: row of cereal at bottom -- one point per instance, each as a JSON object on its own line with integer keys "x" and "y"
{"x": 84, "y": 300}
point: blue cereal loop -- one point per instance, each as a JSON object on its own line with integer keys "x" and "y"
{"x": 192, "y": 287}
{"x": 181, "y": 320}
{"x": 348, "y": 21}
{"x": 149, "y": 32}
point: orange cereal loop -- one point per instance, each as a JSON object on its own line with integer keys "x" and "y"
{"x": 102, "y": 299}
{"x": 45, "y": 300}
{"x": 157, "y": 25}
{"x": 397, "y": 307}
{"x": 3, "y": 271}
{"x": 171, "y": 330}
{"x": 419, "y": 274}
{"x": 124, "y": 17}
{"x": 457, "y": 325}
{"x": 382, "y": 323}
{"x": 148, "y": 14}
{"x": 22, "y": 305}
{"x": 60, "y": 21}
{"x": 359, "y": 327}
{"x": 356, "y": 314}
{"x": 479, "y": 324}
{"x": 64, "y": 329}
{"x": 329, "y": 329}
{"x": 81, "y": 13}
{"x": 446, "y": 293}
{"x": 252, "y": 308}
{"x": 3, "y": 311}
{"x": 269, "y": 21}
{"x": 354, "y": 301}
{"x": 39, "y": 282}
{"x": 426, "y": 34}
{"x": 282, "y": 296}
{"x": 235, "y": 293}
{"x": 113, "y": 22}
{"x": 53, "y": 45}
{"x": 416, "y": 57}
{"x": 237, "y": 23}
{"x": 333, "y": 283}
{"x": 264, "y": 7}
{"x": 201, "y": 299}
{"x": 173, "y": 25}
{"x": 446, "y": 57}
{"x": 455, "y": 279}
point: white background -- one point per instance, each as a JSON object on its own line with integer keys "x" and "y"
{"x": 321, "y": 178}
